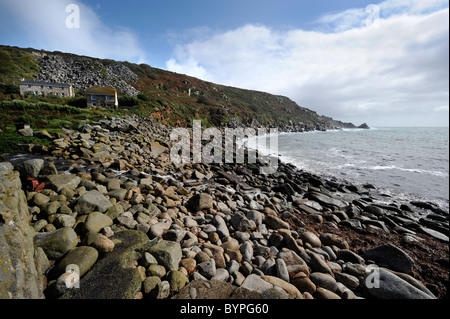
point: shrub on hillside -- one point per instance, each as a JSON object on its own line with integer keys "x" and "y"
{"x": 203, "y": 99}
{"x": 78, "y": 102}
{"x": 128, "y": 101}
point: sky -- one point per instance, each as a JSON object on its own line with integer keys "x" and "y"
{"x": 384, "y": 63}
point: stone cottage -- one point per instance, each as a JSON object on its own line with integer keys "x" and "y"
{"x": 45, "y": 88}
{"x": 102, "y": 97}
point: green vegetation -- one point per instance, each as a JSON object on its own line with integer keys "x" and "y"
{"x": 11, "y": 142}
{"x": 16, "y": 64}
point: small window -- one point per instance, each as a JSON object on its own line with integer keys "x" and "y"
{"x": 93, "y": 97}
{"x": 94, "y": 104}
{"x": 62, "y": 94}
{"x": 108, "y": 98}
{"x": 29, "y": 85}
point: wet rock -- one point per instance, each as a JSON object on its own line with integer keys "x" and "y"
{"x": 390, "y": 256}
{"x": 383, "y": 284}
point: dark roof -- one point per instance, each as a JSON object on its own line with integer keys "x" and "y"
{"x": 101, "y": 91}
{"x": 45, "y": 83}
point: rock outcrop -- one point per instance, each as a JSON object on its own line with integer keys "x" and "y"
{"x": 22, "y": 265}
{"x": 85, "y": 73}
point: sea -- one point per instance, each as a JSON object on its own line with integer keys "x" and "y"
{"x": 412, "y": 163}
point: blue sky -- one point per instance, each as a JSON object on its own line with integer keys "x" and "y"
{"x": 380, "y": 62}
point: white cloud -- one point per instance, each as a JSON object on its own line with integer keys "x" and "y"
{"x": 43, "y": 24}
{"x": 393, "y": 69}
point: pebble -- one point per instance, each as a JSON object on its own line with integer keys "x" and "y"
{"x": 255, "y": 282}
{"x": 207, "y": 268}
{"x": 318, "y": 264}
{"x": 281, "y": 269}
{"x": 311, "y": 238}
{"x": 324, "y": 280}
{"x": 303, "y": 283}
{"x": 289, "y": 288}
{"x": 322, "y": 293}
{"x": 348, "y": 280}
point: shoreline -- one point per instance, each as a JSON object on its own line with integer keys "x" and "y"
{"x": 240, "y": 228}
{"x": 390, "y": 191}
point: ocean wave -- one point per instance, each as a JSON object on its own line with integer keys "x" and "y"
{"x": 412, "y": 170}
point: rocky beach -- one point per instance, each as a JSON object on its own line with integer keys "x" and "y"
{"x": 105, "y": 203}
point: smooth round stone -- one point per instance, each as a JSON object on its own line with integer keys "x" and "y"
{"x": 96, "y": 221}
{"x": 349, "y": 281}
{"x": 207, "y": 268}
{"x": 213, "y": 237}
{"x": 103, "y": 244}
{"x": 233, "y": 266}
{"x": 156, "y": 230}
{"x": 335, "y": 267}
{"x": 329, "y": 239}
{"x": 202, "y": 257}
{"x": 324, "y": 280}
{"x": 303, "y": 283}
{"x": 150, "y": 284}
{"x": 322, "y": 293}
{"x": 84, "y": 257}
{"x": 189, "y": 264}
{"x": 231, "y": 244}
{"x": 221, "y": 275}
{"x": 311, "y": 238}
{"x": 281, "y": 269}
{"x": 61, "y": 220}
{"x": 156, "y": 270}
{"x": 177, "y": 280}
{"x": 189, "y": 222}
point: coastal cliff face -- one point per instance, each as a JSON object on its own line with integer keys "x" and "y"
{"x": 172, "y": 98}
